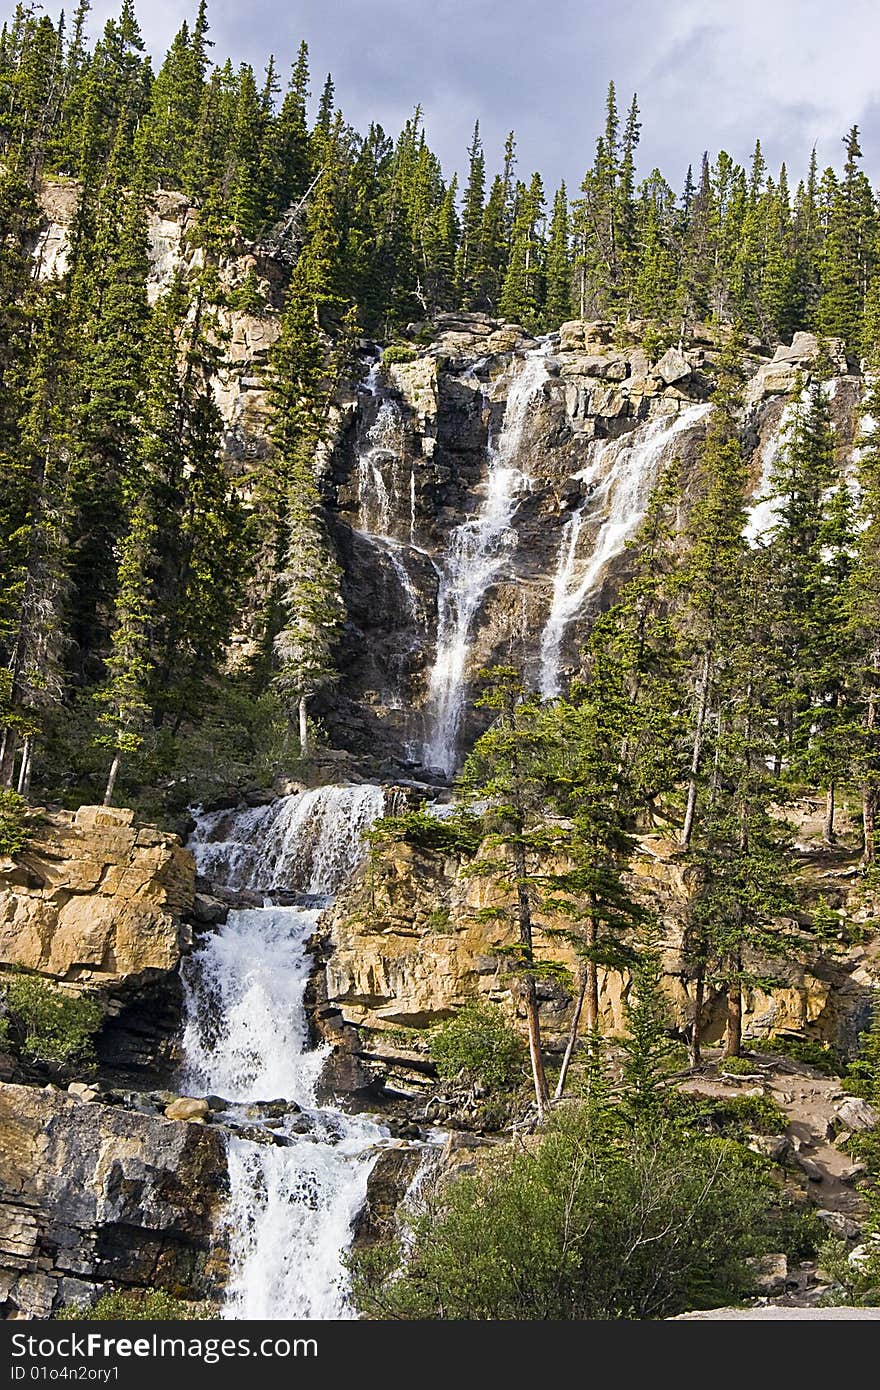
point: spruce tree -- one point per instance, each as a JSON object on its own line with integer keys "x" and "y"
{"x": 468, "y": 259}
{"x": 849, "y": 250}
{"x": 558, "y": 305}
{"x": 508, "y": 767}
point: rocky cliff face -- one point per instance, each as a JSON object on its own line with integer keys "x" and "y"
{"x": 479, "y": 493}
{"x": 404, "y": 949}
{"x": 93, "y": 1195}
{"x": 100, "y": 905}
{"x": 481, "y": 496}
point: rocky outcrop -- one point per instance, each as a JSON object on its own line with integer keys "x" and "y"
{"x": 92, "y": 1195}
{"x": 97, "y": 901}
{"x": 247, "y": 335}
{"x": 410, "y": 465}
{"x": 100, "y": 905}
{"x": 405, "y": 946}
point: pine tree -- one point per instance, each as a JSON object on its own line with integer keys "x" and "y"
{"x": 587, "y": 793}
{"x": 292, "y": 135}
{"x": 558, "y": 305}
{"x": 309, "y": 596}
{"x": 467, "y": 263}
{"x": 711, "y": 576}
{"x": 862, "y": 606}
{"x": 522, "y": 293}
{"x": 508, "y": 768}
{"x": 849, "y": 251}
{"x": 126, "y": 697}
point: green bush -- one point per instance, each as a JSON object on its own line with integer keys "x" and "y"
{"x": 737, "y": 1066}
{"x": 858, "y": 1283}
{"x": 13, "y": 822}
{"x": 739, "y": 1116}
{"x": 399, "y": 352}
{"x": 248, "y": 297}
{"x": 479, "y": 1042}
{"x": 602, "y": 1220}
{"x": 48, "y": 1026}
{"x": 438, "y": 921}
{"x": 812, "y": 1053}
{"x": 459, "y": 834}
{"x": 151, "y": 1305}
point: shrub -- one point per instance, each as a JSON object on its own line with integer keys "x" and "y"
{"x": 399, "y": 352}
{"x": 856, "y": 1273}
{"x": 812, "y": 1053}
{"x": 249, "y": 297}
{"x": 459, "y": 834}
{"x": 479, "y": 1042}
{"x": 150, "y": 1305}
{"x": 736, "y": 1066}
{"x": 739, "y": 1116}
{"x": 48, "y": 1026}
{"x": 601, "y": 1220}
{"x": 13, "y": 822}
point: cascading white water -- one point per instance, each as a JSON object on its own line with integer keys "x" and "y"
{"x": 379, "y": 463}
{"x": 762, "y": 514}
{"x": 477, "y": 550}
{"x": 622, "y": 473}
{"x": 291, "y": 1203}
{"x": 307, "y": 843}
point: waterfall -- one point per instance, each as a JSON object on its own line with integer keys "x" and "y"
{"x": 295, "y": 1190}
{"x": 622, "y": 475}
{"x": 763, "y": 513}
{"x": 477, "y": 551}
{"x": 379, "y": 463}
{"x": 307, "y": 843}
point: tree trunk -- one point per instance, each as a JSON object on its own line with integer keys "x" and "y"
{"x": 592, "y": 991}
{"x": 530, "y": 999}
{"x": 828, "y": 834}
{"x": 695, "y": 1046}
{"x": 7, "y": 757}
{"x": 24, "y": 772}
{"x": 869, "y": 793}
{"x": 303, "y": 729}
{"x": 733, "y": 1041}
{"x": 697, "y": 755}
{"x": 572, "y": 1031}
{"x": 111, "y": 780}
{"x": 529, "y": 993}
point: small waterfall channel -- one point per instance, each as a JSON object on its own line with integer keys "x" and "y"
{"x": 621, "y": 475}
{"x": 476, "y": 554}
{"x": 296, "y": 1187}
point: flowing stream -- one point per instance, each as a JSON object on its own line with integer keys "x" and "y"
{"x": 622, "y": 475}
{"x": 294, "y": 1197}
{"x": 476, "y": 554}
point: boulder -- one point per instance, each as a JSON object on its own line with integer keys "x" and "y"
{"x": 839, "y": 1224}
{"x": 857, "y": 1114}
{"x": 80, "y": 1090}
{"x": 673, "y": 366}
{"x": 772, "y": 1146}
{"x": 188, "y": 1108}
{"x": 769, "y": 1273}
{"x": 809, "y": 1168}
{"x": 804, "y": 348}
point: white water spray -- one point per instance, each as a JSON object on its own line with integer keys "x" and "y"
{"x": 477, "y": 551}
{"x": 293, "y": 1198}
{"x": 623, "y": 473}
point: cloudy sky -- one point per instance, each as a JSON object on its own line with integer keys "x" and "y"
{"x": 708, "y": 73}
